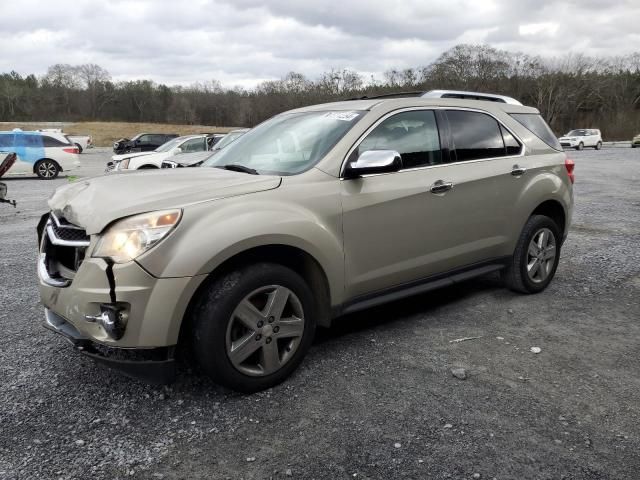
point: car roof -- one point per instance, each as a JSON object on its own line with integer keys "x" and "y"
{"x": 407, "y": 102}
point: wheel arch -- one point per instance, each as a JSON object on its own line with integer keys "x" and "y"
{"x": 295, "y": 258}
{"x": 554, "y": 210}
{"x": 146, "y": 166}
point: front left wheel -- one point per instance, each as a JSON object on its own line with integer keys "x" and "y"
{"x": 252, "y": 327}
{"x": 598, "y": 146}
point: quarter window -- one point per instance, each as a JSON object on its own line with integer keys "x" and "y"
{"x": 52, "y": 142}
{"x": 475, "y": 135}
{"x": 414, "y": 135}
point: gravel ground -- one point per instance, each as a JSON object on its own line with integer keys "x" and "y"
{"x": 376, "y": 397}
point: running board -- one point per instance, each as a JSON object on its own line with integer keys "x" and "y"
{"x": 421, "y": 286}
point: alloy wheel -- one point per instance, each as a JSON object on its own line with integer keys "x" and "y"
{"x": 265, "y": 330}
{"x": 47, "y": 169}
{"x": 541, "y": 255}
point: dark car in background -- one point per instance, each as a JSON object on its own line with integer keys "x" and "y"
{"x": 143, "y": 142}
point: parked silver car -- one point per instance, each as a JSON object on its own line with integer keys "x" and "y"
{"x": 317, "y": 212}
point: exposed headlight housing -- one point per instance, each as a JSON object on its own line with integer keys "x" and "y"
{"x": 123, "y": 164}
{"x": 130, "y": 237}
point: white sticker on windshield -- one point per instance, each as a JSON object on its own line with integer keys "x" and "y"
{"x": 344, "y": 116}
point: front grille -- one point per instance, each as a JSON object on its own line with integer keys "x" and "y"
{"x": 63, "y": 249}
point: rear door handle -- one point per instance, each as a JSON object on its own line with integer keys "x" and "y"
{"x": 516, "y": 171}
{"x": 440, "y": 186}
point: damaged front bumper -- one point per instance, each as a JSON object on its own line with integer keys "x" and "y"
{"x": 117, "y": 314}
{"x": 153, "y": 365}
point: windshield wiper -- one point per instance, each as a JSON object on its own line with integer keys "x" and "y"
{"x": 235, "y": 167}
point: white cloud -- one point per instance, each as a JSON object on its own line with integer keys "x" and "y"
{"x": 242, "y": 42}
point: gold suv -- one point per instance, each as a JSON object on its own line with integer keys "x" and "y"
{"x": 315, "y": 213}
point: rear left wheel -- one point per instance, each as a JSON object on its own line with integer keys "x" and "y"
{"x": 252, "y": 327}
{"x": 536, "y": 256}
{"x": 598, "y": 146}
{"x": 47, "y": 169}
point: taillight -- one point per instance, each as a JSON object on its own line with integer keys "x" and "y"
{"x": 70, "y": 150}
{"x": 570, "y": 165}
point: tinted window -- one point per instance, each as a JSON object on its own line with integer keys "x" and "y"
{"x": 475, "y": 135}
{"x": 536, "y": 125}
{"x": 414, "y": 135}
{"x": 52, "y": 142}
{"x": 511, "y": 145}
{"x": 144, "y": 139}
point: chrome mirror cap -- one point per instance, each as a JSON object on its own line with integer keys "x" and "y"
{"x": 374, "y": 161}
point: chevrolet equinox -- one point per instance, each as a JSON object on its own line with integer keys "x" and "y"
{"x": 315, "y": 213}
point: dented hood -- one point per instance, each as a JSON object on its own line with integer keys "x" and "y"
{"x": 95, "y": 202}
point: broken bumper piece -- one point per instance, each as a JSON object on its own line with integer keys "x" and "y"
{"x": 153, "y": 365}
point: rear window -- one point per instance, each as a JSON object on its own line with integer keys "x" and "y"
{"x": 536, "y": 125}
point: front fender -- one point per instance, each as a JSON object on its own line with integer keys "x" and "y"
{"x": 211, "y": 233}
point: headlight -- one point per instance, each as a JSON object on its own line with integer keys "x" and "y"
{"x": 123, "y": 164}
{"x": 131, "y": 237}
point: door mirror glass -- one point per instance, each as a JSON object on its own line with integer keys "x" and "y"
{"x": 374, "y": 161}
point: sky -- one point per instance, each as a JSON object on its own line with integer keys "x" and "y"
{"x": 244, "y": 42}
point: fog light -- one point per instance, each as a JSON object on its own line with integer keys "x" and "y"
{"x": 113, "y": 319}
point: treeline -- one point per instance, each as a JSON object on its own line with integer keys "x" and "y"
{"x": 574, "y": 91}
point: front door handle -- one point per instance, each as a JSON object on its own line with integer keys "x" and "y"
{"x": 441, "y": 186}
{"x": 516, "y": 171}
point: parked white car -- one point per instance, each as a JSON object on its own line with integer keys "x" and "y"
{"x": 584, "y": 137}
{"x": 45, "y": 154}
{"x": 153, "y": 159}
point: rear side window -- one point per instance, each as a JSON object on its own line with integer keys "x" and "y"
{"x": 536, "y": 125}
{"x": 52, "y": 142}
{"x": 414, "y": 135}
{"x": 475, "y": 135}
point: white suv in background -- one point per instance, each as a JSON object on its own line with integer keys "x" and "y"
{"x": 153, "y": 159}
{"x": 44, "y": 153}
{"x": 583, "y": 137}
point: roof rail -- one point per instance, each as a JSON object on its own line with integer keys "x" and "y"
{"x": 487, "y": 97}
{"x": 418, "y": 93}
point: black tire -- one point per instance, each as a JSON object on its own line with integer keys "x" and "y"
{"x": 580, "y": 146}
{"x": 79, "y": 147}
{"x": 212, "y": 315}
{"x": 147, "y": 167}
{"x": 47, "y": 169}
{"x": 516, "y": 276}
{"x": 598, "y": 146}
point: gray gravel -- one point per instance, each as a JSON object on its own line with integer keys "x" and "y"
{"x": 376, "y": 397}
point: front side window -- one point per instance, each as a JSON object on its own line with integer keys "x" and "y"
{"x": 287, "y": 144}
{"x": 475, "y": 135}
{"x": 414, "y": 135}
{"x": 144, "y": 139}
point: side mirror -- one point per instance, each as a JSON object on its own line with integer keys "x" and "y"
{"x": 3, "y": 191}
{"x": 374, "y": 161}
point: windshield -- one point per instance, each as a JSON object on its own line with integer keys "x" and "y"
{"x": 228, "y": 138}
{"x": 165, "y": 147}
{"x": 577, "y": 133}
{"x": 287, "y": 144}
